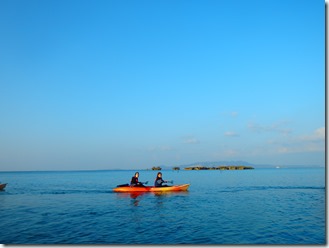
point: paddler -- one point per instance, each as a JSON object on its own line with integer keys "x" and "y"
{"x": 159, "y": 181}
{"x": 134, "y": 181}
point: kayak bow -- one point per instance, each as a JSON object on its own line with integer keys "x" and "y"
{"x": 2, "y": 186}
{"x": 124, "y": 189}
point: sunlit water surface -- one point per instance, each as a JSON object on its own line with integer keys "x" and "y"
{"x": 261, "y": 206}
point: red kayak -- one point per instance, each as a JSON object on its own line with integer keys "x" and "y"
{"x": 125, "y": 189}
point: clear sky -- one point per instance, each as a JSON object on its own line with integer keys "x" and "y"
{"x": 134, "y": 84}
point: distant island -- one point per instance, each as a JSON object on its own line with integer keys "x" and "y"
{"x": 238, "y": 167}
{"x": 159, "y": 168}
{"x": 227, "y": 165}
{"x": 219, "y": 165}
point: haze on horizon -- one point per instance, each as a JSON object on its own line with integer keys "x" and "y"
{"x": 135, "y": 84}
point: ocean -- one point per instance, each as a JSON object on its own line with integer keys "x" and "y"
{"x": 260, "y": 206}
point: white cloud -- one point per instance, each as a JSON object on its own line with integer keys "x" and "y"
{"x": 313, "y": 142}
{"x": 275, "y": 127}
{"x": 190, "y": 140}
{"x": 317, "y": 135}
{"x": 231, "y": 134}
{"x": 302, "y": 148}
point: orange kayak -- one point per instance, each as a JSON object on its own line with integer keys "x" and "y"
{"x": 125, "y": 189}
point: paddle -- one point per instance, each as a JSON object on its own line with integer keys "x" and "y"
{"x": 171, "y": 181}
{"x": 126, "y": 184}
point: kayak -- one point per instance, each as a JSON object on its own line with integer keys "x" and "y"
{"x": 124, "y": 189}
{"x": 2, "y": 186}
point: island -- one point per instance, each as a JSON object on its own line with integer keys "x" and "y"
{"x": 224, "y": 167}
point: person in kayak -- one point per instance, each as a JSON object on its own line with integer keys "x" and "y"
{"x": 134, "y": 181}
{"x": 159, "y": 181}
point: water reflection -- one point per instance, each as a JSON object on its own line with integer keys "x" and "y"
{"x": 136, "y": 197}
{"x": 170, "y": 193}
{"x": 132, "y": 195}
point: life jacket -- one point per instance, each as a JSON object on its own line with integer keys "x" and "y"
{"x": 134, "y": 180}
{"x": 158, "y": 182}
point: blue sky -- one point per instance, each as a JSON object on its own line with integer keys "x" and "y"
{"x": 135, "y": 84}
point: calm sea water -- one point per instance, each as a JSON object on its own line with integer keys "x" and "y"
{"x": 261, "y": 206}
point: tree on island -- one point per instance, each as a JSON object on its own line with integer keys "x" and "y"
{"x": 156, "y": 168}
{"x": 176, "y": 168}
